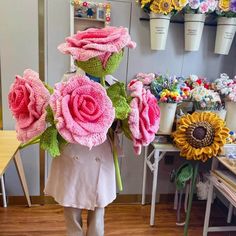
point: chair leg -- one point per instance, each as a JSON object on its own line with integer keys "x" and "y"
{"x": 4, "y": 197}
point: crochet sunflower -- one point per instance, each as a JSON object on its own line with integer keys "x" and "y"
{"x": 200, "y": 136}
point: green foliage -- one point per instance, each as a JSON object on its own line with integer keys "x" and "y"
{"x": 118, "y": 96}
{"x": 95, "y": 68}
{"x": 49, "y": 117}
{"x": 52, "y": 141}
{"x": 125, "y": 128}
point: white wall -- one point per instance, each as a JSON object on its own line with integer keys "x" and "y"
{"x": 19, "y": 50}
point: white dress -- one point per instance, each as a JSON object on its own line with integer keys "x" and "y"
{"x": 83, "y": 178}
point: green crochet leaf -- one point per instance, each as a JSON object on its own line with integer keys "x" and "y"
{"x": 183, "y": 174}
{"x": 62, "y": 142}
{"x": 117, "y": 94}
{"x": 94, "y": 65}
{"x": 49, "y": 142}
{"x": 49, "y": 88}
{"x": 125, "y": 128}
{"x": 49, "y": 117}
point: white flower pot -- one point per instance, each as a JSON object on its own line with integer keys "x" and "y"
{"x": 193, "y": 28}
{"x": 159, "y": 26}
{"x": 221, "y": 113}
{"x": 167, "y": 117}
{"x": 226, "y": 28}
{"x": 231, "y": 115}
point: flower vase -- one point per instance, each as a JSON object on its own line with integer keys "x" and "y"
{"x": 159, "y": 26}
{"x": 221, "y": 113}
{"x": 193, "y": 28}
{"x": 226, "y": 28}
{"x": 167, "y": 111}
{"x": 231, "y": 115}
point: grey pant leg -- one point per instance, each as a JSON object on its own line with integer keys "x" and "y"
{"x": 95, "y": 222}
{"x": 73, "y": 221}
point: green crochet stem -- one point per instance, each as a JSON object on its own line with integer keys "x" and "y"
{"x": 195, "y": 173}
{"x": 102, "y": 81}
{"x": 116, "y": 161}
{"x": 32, "y": 141}
{"x": 117, "y": 168}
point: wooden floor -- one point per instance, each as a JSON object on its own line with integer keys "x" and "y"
{"x": 122, "y": 220}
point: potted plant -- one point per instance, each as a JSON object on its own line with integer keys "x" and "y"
{"x": 226, "y": 26}
{"x": 169, "y": 91}
{"x": 160, "y": 12}
{"x": 194, "y": 18}
{"x": 227, "y": 89}
{"x": 207, "y": 100}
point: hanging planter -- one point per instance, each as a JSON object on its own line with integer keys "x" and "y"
{"x": 226, "y": 28}
{"x": 167, "y": 111}
{"x": 159, "y": 26}
{"x": 231, "y": 115}
{"x": 193, "y": 28}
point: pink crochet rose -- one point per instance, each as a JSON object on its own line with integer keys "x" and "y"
{"x": 144, "y": 118}
{"x": 82, "y": 110}
{"x": 97, "y": 43}
{"x": 146, "y": 78}
{"x": 28, "y": 99}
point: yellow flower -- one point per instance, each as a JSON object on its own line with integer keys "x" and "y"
{"x": 224, "y": 5}
{"x": 155, "y": 7}
{"x": 200, "y": 136}
{"x": 144, "y": 2}
{"x": 183, "y": 3}
{"x": 176, "y": 5}
{"x": 165, "y": 6}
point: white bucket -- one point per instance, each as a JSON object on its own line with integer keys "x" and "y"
{"x": 226, "y": 28}
{"x": 167, "y": 117}
{"x": 231, "y": 115}
{"x": 193, "y": 28}
{"x": 221, "y": 113}
{"x": 159, "y": 26}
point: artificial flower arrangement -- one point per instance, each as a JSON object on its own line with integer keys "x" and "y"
{"x": 226, "y": 8}
{"x": 226, "y": 87}
{"x": 200, "y": 7}
{"x": 194, "y": 81}
{"x": 205, "y": 99}
{"x": 163, "y": 6}
{"x": 80, "y": 110}
{"x": 170, "y": 89}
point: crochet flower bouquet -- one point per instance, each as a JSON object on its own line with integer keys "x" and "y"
{"x": 81, "y": 110}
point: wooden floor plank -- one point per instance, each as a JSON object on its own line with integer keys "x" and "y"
{"x": 125, "y": 220}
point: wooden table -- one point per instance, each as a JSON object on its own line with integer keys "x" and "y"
{"x": 158, "y": 152}
{"x": 9, "y": 150}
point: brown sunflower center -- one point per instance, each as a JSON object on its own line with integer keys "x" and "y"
{"x": 200, "y": 134}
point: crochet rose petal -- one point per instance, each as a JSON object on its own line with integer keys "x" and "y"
{"x": 82, "y": 110}
{"x": 97, "y": 42}
{"x": 144, "y": 119}
{"x": 28, "y": 99}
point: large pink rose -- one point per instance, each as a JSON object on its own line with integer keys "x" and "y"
{"x": 144, "y": 118}
{"x": 28, "y": 99}
{"x": 97, "y": 43}
{"x": 82, "y": 110}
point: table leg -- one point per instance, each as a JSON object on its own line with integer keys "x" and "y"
{"x": 21, "y": 173}
{"x": 230, "y": 213}
{"x": 208, "y": 210}
{"x": 3, "y": 192}
{"x": 154, "y": 186}
{"x": 144, "y": 175}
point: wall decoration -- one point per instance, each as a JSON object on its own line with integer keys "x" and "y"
{"x": 90, "y": 14}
